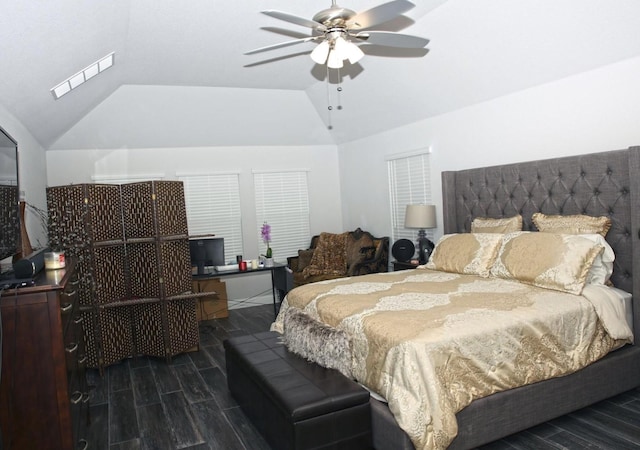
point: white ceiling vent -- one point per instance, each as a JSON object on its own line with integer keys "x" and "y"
{"x": 85, "y": 74}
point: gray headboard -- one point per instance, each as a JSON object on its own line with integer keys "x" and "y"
{"x": 597, "y": 184}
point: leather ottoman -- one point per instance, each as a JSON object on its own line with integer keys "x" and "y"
{"x": 294, "y": 403}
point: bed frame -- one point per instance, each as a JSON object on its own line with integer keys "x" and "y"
{"x": 596, "y": 184}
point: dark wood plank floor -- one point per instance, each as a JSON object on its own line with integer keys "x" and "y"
{"x": 147, "y": 404}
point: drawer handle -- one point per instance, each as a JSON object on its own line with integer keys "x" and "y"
{"x": 78, "y": 319}
{"x": 85, "y": 397}
{"x": 69, "y": 294}
{"x": 66, "y": 307}
{"x": 83, "y": 444}
{"x": 71, "y": 347}
{"x": 76, "y": 397}
{"x": 83, "y": 359}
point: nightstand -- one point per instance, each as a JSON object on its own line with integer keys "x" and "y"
{"x": 398, "y": 265}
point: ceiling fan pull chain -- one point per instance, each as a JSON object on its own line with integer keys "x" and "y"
{"x": 329, "y": 107}
{"x": 339, "y": 90}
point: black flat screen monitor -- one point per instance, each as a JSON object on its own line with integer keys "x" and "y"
{"x": 206, "y": 252}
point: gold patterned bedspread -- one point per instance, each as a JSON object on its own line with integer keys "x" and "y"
{"x": 431, "y": 342}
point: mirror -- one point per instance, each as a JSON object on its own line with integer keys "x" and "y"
{"x": 9, "y": 196}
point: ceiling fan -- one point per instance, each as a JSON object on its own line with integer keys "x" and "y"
{"x": 336, "y": 29}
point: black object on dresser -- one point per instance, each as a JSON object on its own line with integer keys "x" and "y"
{"x": 44, "y": 398}
{"x": 295, "y": 404}
{"x": 403, "y": 265}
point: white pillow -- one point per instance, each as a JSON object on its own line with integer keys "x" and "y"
{"x": 602, "y": 267}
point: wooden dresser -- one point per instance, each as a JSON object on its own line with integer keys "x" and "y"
{"x": 43, "y": 390}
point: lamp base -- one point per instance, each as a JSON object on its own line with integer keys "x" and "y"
{"x": 425, "y": 247}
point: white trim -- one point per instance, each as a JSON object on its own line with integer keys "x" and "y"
{"x": 279, "y": 171}
{"x": 208, "y": 173}
{"x": 409, "y": 153}
{"x": 141, "y": 176}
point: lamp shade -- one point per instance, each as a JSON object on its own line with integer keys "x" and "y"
{"x": 420, "y": 216}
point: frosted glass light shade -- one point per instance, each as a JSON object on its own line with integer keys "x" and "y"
{"x": 334, "y": 61}
{"x": 353, "y": 52}
{"x": 347, "y": 50}
{"x": 420, "y": 216}
{"x": 320, "y": 53}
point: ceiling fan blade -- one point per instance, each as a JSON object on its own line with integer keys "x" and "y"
{"x": 389, "y": 39}
{"x": 379, "y": 14}
{"x": 294, "y": 19}
{"x": 281, "y": 44}
{"x": 286, "y": 32}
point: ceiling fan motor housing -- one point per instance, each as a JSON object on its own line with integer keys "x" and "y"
{"x": 334, "y": 17}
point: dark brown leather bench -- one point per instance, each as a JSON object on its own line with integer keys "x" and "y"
{"x": 296, "y": 404}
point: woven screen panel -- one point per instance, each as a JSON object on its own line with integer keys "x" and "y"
{"x": 84, "y": 272}
{"x": 108, "y": 274}
{"x": 116, "y": 336}
{"x": 8, "y": 219}
{"x": 143, "y": 270}
{"x": 175, "y": 264}
{"x": 104, "y": 212}
{"x": 66, "y": 218}
{"x": 150, "y": 337}
{"x": 138, "y": 210}
{"x": 107, "y": 336}
{"x": 183, "y": 326}
{"x": 171, "y": 212}
{"x": 89, "y": 330}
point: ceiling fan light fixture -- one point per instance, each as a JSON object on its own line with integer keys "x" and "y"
{"x": 347, "y": 50}
{"x": 321, "y": 52}
{"x": 335, "y": 60}
{"x": 353, "y": 52}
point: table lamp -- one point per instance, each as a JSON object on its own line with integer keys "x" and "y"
{"x": 421, "y": 217}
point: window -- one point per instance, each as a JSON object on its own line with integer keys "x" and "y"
{"x": 282, "y": 201}
{"x": 409, "y": 183}
{"x": 213, "y": 207}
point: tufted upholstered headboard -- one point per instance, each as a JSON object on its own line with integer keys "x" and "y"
{"x": 597, "y": 184}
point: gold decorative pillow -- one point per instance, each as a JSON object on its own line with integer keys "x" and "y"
{"x": 329, "y": 256}
{"x": 576, "y": 224}
{"x": 467, "y": 253}
{"x": 502, "y": 225}
{"x": 548, "y": 260}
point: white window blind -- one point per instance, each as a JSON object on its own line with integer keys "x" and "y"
{"x": 213, "y": 207}
{"x": 282, "y": 201}
{"x": 409, "y": 183}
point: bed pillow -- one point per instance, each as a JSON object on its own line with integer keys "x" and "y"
{"x": 304, "y": 258}
{"x": 548, "y": 260}
{"x": 576, "y": 224}
{"x": 502, "y": 225}
{"x": 602, "y": 266}
{"x": 466, "y": 253}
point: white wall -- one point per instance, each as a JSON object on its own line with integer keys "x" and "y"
{"x": 591, "y": 112}
{"x": 32, "y": 175}
{"x": 79, "y": 166}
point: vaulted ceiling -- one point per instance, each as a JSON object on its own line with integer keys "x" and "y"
{"x": 187, "y": 56}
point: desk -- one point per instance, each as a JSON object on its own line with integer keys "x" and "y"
{"x": 281, "y": 279}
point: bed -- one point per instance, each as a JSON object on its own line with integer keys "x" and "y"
{"x": 601, "y": 184}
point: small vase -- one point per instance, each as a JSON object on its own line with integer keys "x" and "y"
{"x": 268, "y": 262}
